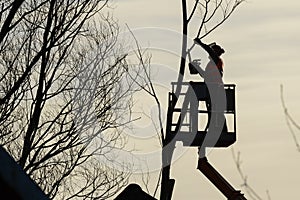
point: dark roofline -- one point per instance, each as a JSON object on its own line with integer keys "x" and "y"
{"x": 15, "y": 181}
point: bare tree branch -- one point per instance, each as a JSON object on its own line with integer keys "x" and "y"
{"x": 250, "y": 191}
{"x": 290, "y": 120}
{"x": 193, "y": 11}
{"x": 220, "y": 7}
{"x": 148, "y": 85}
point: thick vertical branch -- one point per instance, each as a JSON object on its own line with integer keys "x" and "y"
{"x": 167, "y": 184}
{"x": 183, "y": 48}
{"x": 34, "y": 121}
{"x": 6, "y": 25}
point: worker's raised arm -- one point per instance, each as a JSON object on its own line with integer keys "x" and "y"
{"x": 209, "y": 50}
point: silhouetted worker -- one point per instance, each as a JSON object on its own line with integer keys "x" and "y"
{"x": 212, "y": 75}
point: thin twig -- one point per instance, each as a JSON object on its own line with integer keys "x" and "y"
{"x": 250, "y": 191}
{"x": 193, "y": 11}
{"x": 151, "y": 91}
{"x": 288, "y": 119}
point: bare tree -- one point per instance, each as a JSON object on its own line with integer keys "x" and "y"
{"x": 65, "y": 95}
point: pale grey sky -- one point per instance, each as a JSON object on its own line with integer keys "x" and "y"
{"x": 262, "y": 44}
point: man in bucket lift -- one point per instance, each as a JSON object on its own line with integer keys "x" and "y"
{"x": 212, "y": 75}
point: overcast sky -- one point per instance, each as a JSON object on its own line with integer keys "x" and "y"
{"x": 262, "y": 45}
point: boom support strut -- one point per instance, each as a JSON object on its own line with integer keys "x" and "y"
{"x": 218, "y": 180}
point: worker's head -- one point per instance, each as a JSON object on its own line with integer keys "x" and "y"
{"x": 217, "y": 49}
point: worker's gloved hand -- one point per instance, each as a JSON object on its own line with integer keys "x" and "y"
{"x": 212, "y": 44}
{"x": 197, "y": 40}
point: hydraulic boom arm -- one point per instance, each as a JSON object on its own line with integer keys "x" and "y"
{"x": 217, "y": 179}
